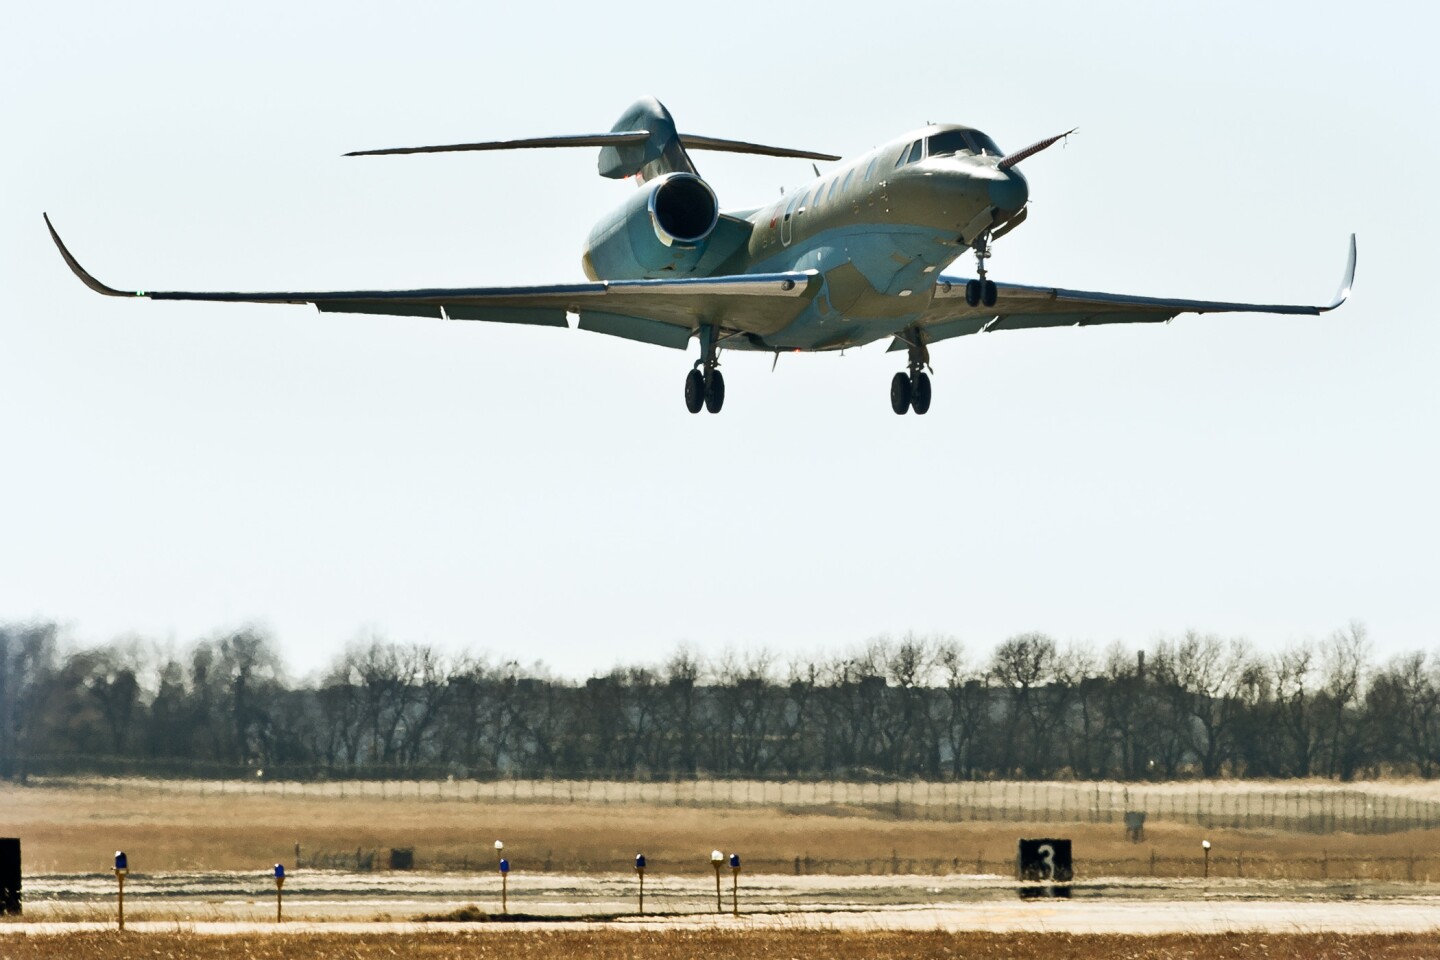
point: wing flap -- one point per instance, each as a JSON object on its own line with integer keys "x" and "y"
{"x": 397, "y": 308}
{"x": 642, "y": 329}
{"x": 547, "y": 317}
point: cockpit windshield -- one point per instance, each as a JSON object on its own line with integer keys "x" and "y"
{"x": 953, "y": 142}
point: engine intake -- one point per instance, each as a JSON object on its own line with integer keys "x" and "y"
{"x": 660, "y": 231}
{"x": 683, "y": 209}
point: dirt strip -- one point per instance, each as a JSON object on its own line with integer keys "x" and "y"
{"x": 1418, "y": 915}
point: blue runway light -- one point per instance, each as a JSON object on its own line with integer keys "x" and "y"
{"x": 504, "y": 865}
{"x": 735, "y": 861}
{"x": 639, "y": 861}
{"x": 121, "y": 861}
{"x": 279, "y": 871}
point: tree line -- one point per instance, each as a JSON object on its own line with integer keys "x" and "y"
{"x": 1197, "y": 705}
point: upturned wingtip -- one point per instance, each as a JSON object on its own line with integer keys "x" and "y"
{"x": 1348, "y": 283}
{"x": 78, "y": 270}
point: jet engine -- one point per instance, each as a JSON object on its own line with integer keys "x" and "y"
{"x": 661, "y": 231}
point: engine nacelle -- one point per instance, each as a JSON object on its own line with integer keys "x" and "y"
{"x": 661, "y": 231}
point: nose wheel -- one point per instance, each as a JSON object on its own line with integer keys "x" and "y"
{"x": 910, "y": 390}
{"x": 981, "y": 290}
{"x": 704, "y": 384}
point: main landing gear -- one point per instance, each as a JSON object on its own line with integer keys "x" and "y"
{"x": 911, "y": 390}
{"x": 981, "y": 291}
{"x": 704, "y": 385}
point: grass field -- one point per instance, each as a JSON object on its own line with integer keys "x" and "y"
{"x": 75, "y": 828}
{"x": 795, "y": 945}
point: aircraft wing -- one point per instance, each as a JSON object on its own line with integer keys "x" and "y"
{"x": 664, "y": 312}
{"x": 1020, "y": 307}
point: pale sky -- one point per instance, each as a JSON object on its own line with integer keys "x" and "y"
{"x": 174, "y": 469}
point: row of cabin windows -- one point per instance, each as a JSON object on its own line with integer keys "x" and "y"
{"x": 946, "y": 144}
{"x": 837, "y": 185}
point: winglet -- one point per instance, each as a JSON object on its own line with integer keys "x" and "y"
{"x": 80, "y": 271}
{"x": 1347, "y": 284}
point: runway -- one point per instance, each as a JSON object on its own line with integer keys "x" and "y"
{"x": 336, "y": 902}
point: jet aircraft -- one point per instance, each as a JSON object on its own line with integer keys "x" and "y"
{"x": 854, "y": 257}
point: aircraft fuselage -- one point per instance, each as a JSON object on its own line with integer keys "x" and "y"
{"x": 878, "y": 229}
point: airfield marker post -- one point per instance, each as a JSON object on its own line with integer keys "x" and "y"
{"x": 735, "y": 884}
{"x": 279, "y": 886}
{"x": 717, "y": 859}
{"x": 1205, "y": 845}
{"x": 504, "y": 885}
{"x": 640, "y": 871}
{"x": 122, "y": 868}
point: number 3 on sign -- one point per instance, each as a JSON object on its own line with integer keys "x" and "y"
{"x": 1047, "y": 855}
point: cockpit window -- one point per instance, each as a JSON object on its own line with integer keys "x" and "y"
{"x": 949, "y": 143}
{"x": 985, "y": 145}
{"x": 916, "y": 152}
{"x": 953, "y": 142}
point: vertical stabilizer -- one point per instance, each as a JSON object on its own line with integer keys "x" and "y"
{"x": 659, "y": 153}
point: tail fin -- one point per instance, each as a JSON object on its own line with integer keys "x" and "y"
{"x": 661, "y": 151}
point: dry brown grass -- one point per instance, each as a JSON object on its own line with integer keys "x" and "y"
{"x": 75, "y": 829}
{"x": 752, "y": 945}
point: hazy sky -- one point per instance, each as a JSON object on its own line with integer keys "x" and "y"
{"x": 179, "y": 468}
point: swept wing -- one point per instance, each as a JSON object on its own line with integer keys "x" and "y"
{"x": 664, "y": 312}
{"x": 1021, "y": 307}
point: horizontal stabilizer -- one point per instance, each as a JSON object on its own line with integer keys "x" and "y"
{"x": 565, "y": 140}
{"x": 688, "y": 140}
{"x": 694, "y": 142}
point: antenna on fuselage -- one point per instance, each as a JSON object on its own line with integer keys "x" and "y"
{"x": 816, "y": 168}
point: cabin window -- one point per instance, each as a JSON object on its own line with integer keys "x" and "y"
{"x": 830, "y": 194}
{"x": 870, "y": 170}
{"x": 849, "y": 175}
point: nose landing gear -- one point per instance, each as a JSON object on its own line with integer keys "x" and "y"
{"x": 982, "y": 290}
{"x": 704, "y": 384}
{"x": 911, "y": 390}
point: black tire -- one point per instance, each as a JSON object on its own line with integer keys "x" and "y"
{"x": 900, "y": 393}
{"x": 715, "y": 392}
{"x": 989, "y": 295}
{"x": 694, "y": 391}
{"x": 972, "y": 293}
{"x": 920, "y": 394}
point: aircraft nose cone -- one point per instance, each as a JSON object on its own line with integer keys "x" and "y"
{"x": 1009, "y": 194}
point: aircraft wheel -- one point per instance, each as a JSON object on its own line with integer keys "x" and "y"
{"x": 900, "y": 393}
{"x": 989, "y": 294}
{"x": 920, "y": 393}
{"x": 972, "y": 293}
{"x": 694, "y": 391}
{"x": 715, "y": 392}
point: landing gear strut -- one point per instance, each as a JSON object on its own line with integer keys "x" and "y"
{"x": 704, "y": 385}
{"x": 981, "y": 291}
{"x": 911, "y": 391}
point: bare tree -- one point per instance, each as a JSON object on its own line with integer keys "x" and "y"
{"x": 967, "y": 698}
{"x": 1297, "y": 678}
{"x": 1022, "y": 665}
{"x": 1344, "y": 656}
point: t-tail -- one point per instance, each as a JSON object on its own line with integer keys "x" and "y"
{"x": 643, "y": 144}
